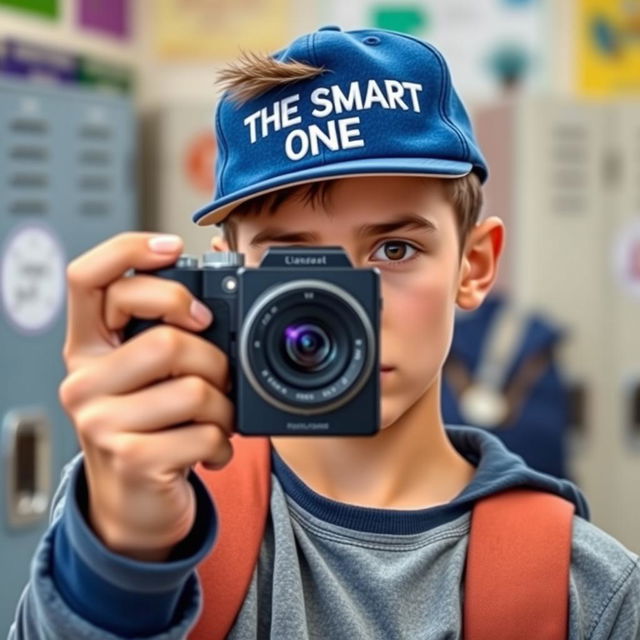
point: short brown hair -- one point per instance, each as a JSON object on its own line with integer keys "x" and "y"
{"x": 465, "y": 194}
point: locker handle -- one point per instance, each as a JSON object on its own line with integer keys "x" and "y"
{"x": 27, "y": 446}
{"x": 634, "y": 412}
{"x": 577, "y": 399}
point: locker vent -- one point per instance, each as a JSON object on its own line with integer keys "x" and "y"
{"x": 93, "y": 158}
{"x": 569, "y": 170}
{"x": 29, "y": 171}
{"x": 29, "y": 126}
{"x": 95, "y": 168}
{"x": 94, "y": 183}
{"x": 95, "y": 132}
{"x": 89, "y": 208}
{"x": 29, "y": 180}
{"x": 27, "y": 207}
{"x": 28, "y": 152}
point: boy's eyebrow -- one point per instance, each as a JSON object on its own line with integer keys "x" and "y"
{"x": 405, "y": 221}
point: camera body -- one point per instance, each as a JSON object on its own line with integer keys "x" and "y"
{"x": 301, "y": 332}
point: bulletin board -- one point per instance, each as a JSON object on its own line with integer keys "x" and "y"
{"x": 110, "y": 18}
{"x": 202, "y": 29}
{"x": 608, "y": 47}
{"x": 487, "y": 43}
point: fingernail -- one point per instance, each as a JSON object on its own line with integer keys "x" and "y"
{"x": 165, "y": 243}
{"x": 201, "y": 313}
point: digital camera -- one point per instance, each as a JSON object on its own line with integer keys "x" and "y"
{"x": 301, "y": 332}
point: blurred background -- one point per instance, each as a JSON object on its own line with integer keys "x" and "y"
{"x": 105, "y": 125}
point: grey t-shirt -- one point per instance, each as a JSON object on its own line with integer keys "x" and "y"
{"x": 331, "y": 570}
{"x": 317, "y": 580}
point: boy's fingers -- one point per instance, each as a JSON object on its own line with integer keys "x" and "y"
{"x": 164, "y": 405}
{"x": 149, "y": 297}
{"x": 179, "y": 449}
{"x": 90, "y": 273}
{"x": 150, "y": 357}
{"x": 111, "y": 259}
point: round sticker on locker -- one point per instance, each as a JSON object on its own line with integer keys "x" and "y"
{"x": 32, "y": 278}
{"x": 626, "y": 257}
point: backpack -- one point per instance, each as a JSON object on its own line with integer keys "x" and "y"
{"x": 517, "y": 568}
{"x": 502, "y": 374}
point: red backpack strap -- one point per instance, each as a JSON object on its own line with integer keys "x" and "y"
{"x": 517, "y": 572}
{"x": 241, "y": 492}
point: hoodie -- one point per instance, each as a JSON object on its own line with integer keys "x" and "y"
{"x": 326, "y": 569}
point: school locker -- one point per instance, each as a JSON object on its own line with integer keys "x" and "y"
{"x": 572, "y": 170}
{"x": 67, "y": 171}
{"x": 623, "y": 125}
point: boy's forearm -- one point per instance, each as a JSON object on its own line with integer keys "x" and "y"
{"x": 70, "y": 597}
{"x": 43, "y": 614}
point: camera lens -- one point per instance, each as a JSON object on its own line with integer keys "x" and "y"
{"x": 308, "y": 346}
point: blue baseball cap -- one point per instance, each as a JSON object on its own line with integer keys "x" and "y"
{"x": 384, "y": 105}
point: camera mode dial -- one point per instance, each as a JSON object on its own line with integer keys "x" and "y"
{"x": 222, "y": 259}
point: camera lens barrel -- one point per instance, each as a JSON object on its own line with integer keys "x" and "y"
{"x": 307, "y": 346}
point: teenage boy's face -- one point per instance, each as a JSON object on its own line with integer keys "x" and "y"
{"x": 419, "y": 263}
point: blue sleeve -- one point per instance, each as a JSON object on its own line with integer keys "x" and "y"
{"x": 79, "y": 586}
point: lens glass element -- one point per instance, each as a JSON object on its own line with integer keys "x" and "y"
{"x": 308, "y": 346}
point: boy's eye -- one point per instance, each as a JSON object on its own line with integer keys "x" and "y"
{"x": 395, "y": 251}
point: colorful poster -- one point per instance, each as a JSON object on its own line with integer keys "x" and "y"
{"x": 47, "y": 8}
{"x": 407, "y": 18}
{"x": 99, "y": 74}
{"x": 199, "y": 161}
{"x": 110, "y": 17}
{"x": 30, "y": 60}
{"x": 608, "y": 47}
{"x": 199, "y": 29}
{"x": 491, "y": 46}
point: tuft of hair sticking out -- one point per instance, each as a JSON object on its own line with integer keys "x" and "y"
{"x": 253, "y": 74}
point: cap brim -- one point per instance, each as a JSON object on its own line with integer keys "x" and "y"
{"x": 219, "y": 209}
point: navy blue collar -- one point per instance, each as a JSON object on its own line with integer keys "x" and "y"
{"x": 496, "y": 469}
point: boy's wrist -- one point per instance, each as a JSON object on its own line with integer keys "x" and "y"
{"x": 124, "y": 566}
{"x": 96, "y": 582}
{"x": 128, "y": 545}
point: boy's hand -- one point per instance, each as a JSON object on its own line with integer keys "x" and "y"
{"x": 125, "y": 400}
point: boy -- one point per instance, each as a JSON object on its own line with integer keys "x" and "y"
{"x": 354, "y": 139}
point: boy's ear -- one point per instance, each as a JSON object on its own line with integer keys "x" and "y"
{"x": 479, "y": 265}
{"x": 218, "y": 243}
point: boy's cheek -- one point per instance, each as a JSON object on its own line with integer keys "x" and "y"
{"x": 416, "y": 339}
{"x": 418, "y": 307}
{"x": 417, "y": 332}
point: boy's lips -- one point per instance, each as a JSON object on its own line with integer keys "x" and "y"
{"x": 384, "y": 368}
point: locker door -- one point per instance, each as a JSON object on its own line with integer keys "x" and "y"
{"x": 66, "y": 160}
{"x": 31, "y": 329}
{"x": 623, "y": 392}
{"x": 561, "y": 264}
{"x": 575, "y": 195}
